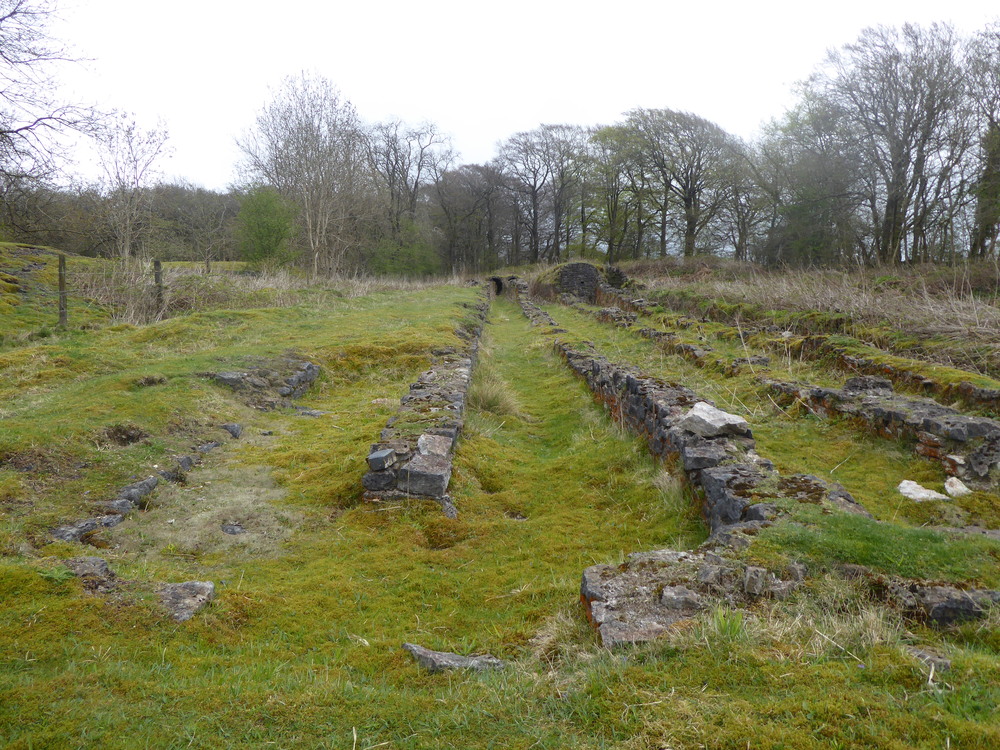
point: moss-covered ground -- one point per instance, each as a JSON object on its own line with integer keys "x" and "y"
{"x": 301, "y": 647}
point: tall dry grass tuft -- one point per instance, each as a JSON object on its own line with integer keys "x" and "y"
{"x": 923, "y": 303}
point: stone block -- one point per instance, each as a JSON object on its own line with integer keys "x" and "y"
{"x": 706, "y": 420}
{"x": 680, "y": 597}
{"x": 381, "y": 459}
{"x": 379, "y": 481}
{"x": 755, "y": 580}
{"x": 425, "y": 475}
{"x": 434, "y": 445}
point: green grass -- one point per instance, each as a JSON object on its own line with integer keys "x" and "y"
{"x": 868, "y": 466}
{"x": 302, "y": 646}
{"x": 29, "y": 299}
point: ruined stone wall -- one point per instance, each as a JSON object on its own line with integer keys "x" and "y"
{"x": 652, "y": 592}
{"x": 716, "y": 450}
{"x": 580, "y": 280}
{"x": 413, "y": 454}
{"x": 967, "y": 446}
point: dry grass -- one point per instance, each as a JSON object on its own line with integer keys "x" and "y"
{"x": 128, "y": 289}
{"x": 908, "y": 299}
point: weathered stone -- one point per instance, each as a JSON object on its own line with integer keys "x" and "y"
{"x": 760, "y": 512}
{"x": 433, "y": 445}
{"x": 702, "y": 454}
{"x": 929, "y": 657}
{"x": 425, "y": 475}
{"x": 110, "y": 520}
{"x": 755, "y": 580}
{"x": 121, "y": 505}
{"x": 74, "y": 531}
{"x": 94, "y": 574}
{"x": 233, "y": 528}
{"x": 592, "y": 584}
{"x": 782, "y": 589}
{"x": 708, "y": 421}
{"x": 913, "y": 491}
{"x": 438, "y": 661}
{"x": 381, "y": 459}
{"x": 956, "y": 488}
{"x": 711, "y": 575}
{"x": 681, "y": 597}
{"x": 233, "y": 429}
{"x": 868, "y": 384}
{"x": 186, "y": 463}
{"x": 945, "y": 605}
{"x": 183, "y": 600}
{"x": 379, "y": 481}
{"x": 234, "y": 380}
{"x": 797, "y": 571}
{"x": 135, "y": 492}
{"x": 625, "y": 633}
{"x": 303, "y": 411}
{"x": 89, "y": 567}
{"x": 727, "y": 492}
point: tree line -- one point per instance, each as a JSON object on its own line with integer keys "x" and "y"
{"x": 890, "y": 154}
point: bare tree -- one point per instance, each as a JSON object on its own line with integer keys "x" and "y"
{"x": 524, "y": 160}
{"x": 563, "y": 147}
{"x": 404, "y": 159}
{"x": 898, "y": 90}
{"x": 128, "y": 156}
{"x": 308, "y": 144}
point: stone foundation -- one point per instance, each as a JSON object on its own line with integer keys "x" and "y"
{"x": 413, "y": 454}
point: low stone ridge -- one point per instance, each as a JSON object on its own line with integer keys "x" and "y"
{"x": 271, "y": 384}
{"x": 721, "y": 462}
{"x": 94, "y": 573}
{"x": 132, "y": 497}
{"x": 934, "y": 604}
{"x": 655, "y": 592}
{"x": 413, "y": 455}
{"x": 824, "y": 346}
{"x": 967, "y": 446}
{"x": 439, "y": 661}
{"x": 183, "y": 600}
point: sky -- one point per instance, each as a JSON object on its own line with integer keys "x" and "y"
{"x": 481, "y": 71}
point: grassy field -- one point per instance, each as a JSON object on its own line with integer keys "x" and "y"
{"x": 302, "y": 646}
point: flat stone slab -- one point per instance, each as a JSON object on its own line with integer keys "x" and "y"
{"x": 183, "y": 600}
{"x": 438, "y": 661}
{"x": 917, "y": 493}
{"x": 433, "y": 445}
{"x": 425, "y": 475}
{"x": 708, "y": 421}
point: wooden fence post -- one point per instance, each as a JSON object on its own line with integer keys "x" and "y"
{"x": 63, "y": 313}
{"x": 158, "y": 279}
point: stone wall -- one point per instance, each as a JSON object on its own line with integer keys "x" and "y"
{"x": 413, "y": 454}
{"x": 579, "y": 279}
{"x": 716, "y": 450}
{"x": 654, "y": 592}
{"x": 967, "y": 446}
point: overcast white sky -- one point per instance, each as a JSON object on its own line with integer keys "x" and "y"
{"x": 481, "y": 71}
